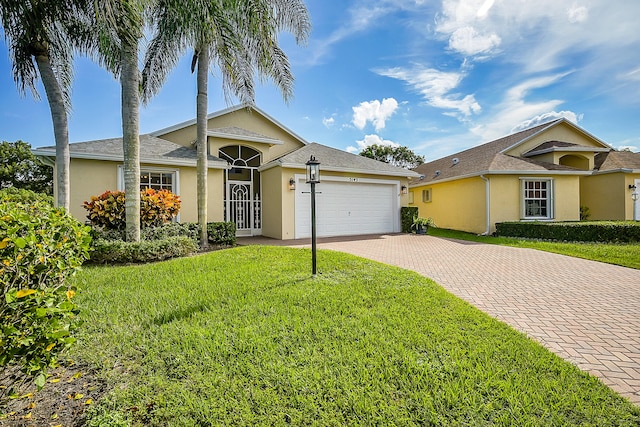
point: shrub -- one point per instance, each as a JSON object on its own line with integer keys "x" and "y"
{"x": 40, "y": 247}
{"x": 19, "y": 195}
{"x": 222, "y": 233}
{"x": 592, "y": 231}
{"x": 172, "y": 229}
{"x": 108, "y": 209}
{"x": 407, "y": 213}
{"x": 119, "y": 252}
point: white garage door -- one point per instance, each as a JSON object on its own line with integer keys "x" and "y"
{"x": 346, "y": 208}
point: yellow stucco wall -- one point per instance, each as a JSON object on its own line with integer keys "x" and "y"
{"x": 93, "y": 177}
{"x": 89, "y": 178}
{"x": 608, "y": 196}
{"x": 272, "y": 193}
{"x": 458, "y": 205}
{"x": 461, "y": 204}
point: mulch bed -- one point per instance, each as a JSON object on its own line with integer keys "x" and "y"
{"x": 69, "y": 391}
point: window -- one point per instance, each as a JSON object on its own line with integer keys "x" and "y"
{"x": 537, "y": 200}
{"x": 426, "y": 195}
{"x": 156, "y": 178}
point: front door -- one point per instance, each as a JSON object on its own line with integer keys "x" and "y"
{"x": 242, "y": 204}
{"x": 243, "y": 207}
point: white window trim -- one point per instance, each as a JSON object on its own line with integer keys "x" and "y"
{"x": 550, "y": 198}
{"x": 175, "y": 172}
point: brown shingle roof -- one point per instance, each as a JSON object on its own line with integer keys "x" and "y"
{"x": 615, "y": 160}
{"x": 484, "y": 158}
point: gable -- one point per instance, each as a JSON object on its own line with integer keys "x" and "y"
{"x": 238, "y": 126}
{"x": 560, "y": 131}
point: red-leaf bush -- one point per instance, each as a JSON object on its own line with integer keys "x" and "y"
{"x": 108, "y": 209}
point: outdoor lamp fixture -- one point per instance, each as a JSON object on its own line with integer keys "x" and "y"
{"x": 403, "y": 189}
{"x": 313, "y": 178}
{"x": 292, "y": 184}
{"x": 632, "y": 187}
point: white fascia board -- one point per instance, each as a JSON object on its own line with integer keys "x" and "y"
{"x": 248, "y": 138}
{"x": 506, "y": 172}
{"x": 155, "y": 161}
{"x": 405, "y": 174}
{"x": 622, "y": 170}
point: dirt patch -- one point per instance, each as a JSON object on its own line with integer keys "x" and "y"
{"x": 69, "y": 391}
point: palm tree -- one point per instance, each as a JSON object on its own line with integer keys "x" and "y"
{"x": 119, "y": 29}
{"x": 41, "y": 37}
{"x": 241, "y": 37}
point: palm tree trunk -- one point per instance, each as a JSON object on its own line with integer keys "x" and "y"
{"x": 202, "y": 143}
{"x": 60, "y": 128}
{"x": 129, "y": 82}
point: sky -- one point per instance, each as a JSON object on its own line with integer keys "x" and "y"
{"x": 437, "y": 76}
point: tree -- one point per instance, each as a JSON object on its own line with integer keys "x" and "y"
{"x": 21, "y": 169}
{"x": 401, "y": 157}
{"x": 41, "y": 37}
{"x": 241, "y": 38}
{"x": 119, "y": 27}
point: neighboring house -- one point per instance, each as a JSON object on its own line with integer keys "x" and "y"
{"x": 545, "y": 173}
{"x": 256, "y": 177}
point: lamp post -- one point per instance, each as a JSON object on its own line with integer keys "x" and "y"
{"x": 634, "y": 197}
{"x": 313, "y": 178}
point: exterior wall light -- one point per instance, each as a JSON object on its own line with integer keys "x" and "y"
{"x": 632, "y": 187}
{"x": 313, "y": 178}
{"x": 292, "y": 184}
{"x": 404, "y": 189}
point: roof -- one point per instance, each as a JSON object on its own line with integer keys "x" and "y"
{"x": 617, "y": 160}
{"x": 227, "y": 111}
{"x": 332, "y": 159}
{"x": 490, "y": 158}
{"x": 152, "y": 150}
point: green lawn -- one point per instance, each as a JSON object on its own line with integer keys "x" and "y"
{"x": 247, "y": 337}
{"x": 627, "y": 255}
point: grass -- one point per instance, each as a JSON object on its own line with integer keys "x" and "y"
{"x": 626, "y": 255}
{"x": 247, "y": 337}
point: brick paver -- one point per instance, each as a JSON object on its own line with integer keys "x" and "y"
{"x": 585, "y": 311}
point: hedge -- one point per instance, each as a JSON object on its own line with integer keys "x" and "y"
{"x": 407, "y": 213}
{"x": 119, "y": 252}
{"x": 583, "y": 231}
{"x": 222, "y": 233}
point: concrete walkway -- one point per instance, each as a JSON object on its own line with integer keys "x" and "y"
{"x": 587, "y": 312}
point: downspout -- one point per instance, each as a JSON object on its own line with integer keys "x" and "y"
{"x": 487, "y": 193}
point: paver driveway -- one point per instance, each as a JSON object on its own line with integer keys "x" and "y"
{"x": 585, "y": 311}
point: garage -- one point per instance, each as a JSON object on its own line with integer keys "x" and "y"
{"x": 348, "y": 206}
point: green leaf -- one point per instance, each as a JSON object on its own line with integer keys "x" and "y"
{"x": 40, "y": 380}
{"x": 20, "y": 242}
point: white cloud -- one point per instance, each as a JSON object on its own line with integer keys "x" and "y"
{"x": 328, "y": 121}
{"x": 632, "y": 148}
{"x": 435, "y": 86}
{"x": 577, "y": 14}
{"x": 375, "y": 112}
{"x": 467, "y": 41}
{"x": 515, "y": 112}
{"x": 370, "y": 140}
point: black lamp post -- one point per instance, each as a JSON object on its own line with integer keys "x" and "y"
{"x": 313, "y": 178}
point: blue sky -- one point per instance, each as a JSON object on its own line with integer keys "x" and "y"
{"x": 436, "y": 76}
